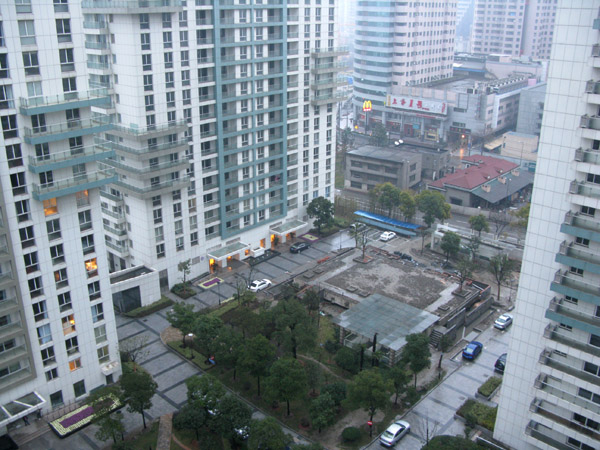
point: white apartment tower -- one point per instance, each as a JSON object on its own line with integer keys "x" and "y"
{"x": 400, "y": 44}
{"x": 224, "y": 128}
{"x": 514, "y": 27}
{"x": 550, "y": 394}
{"x": 58, "y": 336}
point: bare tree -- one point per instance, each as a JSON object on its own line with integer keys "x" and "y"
{"x": 426, "y": 427}
{"x": 501, "y": 220}
{"x": 134, "y": 348}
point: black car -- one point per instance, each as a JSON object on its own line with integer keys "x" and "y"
{"x": 299, "y": 247}
{"x": 500, "y": 363}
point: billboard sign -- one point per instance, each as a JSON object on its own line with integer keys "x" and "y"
{"x": 417, "y": 104}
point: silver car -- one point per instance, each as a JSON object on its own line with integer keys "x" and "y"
{"x": 394, "y": 433}
{"x": 503, "y": 322}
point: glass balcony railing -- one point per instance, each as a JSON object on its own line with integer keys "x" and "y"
{"x": 89, "y": 153}
{"x": 132, "y": 6}
{"x": 74, "y": 184}
{"x": 35, "y": 105}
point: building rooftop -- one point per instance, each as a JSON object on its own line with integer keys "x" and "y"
{"x": 482, "y": 170}
{"x": 395, "y": 154}
{"x": 391, "y": 319}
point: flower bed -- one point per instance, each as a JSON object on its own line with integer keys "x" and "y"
{"x": 81, "y": 417}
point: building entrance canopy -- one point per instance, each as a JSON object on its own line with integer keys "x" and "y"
{"x": 229, "y": 250}
{"x": 288, "y": 227}
{"x": 21, "y": 407}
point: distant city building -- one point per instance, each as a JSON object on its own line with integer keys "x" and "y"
{"x": 399, "y": 44}
{"x": 499, "y": 66}
{"x": 531, "y": 109}
{"x": 464, "y": 22}
{"x": 514, "y": 27}
{"x": 485, "y": 182}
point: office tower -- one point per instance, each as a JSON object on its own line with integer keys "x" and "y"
{"x": 550, "y": 392}
{"x": 514, "y": 27}
{"x": 147, "y": 132}
{"x": 400, "y": 44}
{"x": 57, "y": 328}
{"x": 225, "y": 125}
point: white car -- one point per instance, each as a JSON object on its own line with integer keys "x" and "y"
{"x": 387, "y": 235}
{"x": 394, "y": 433}
{"x": 503, "y": 322}
{"x": 259, "y": 285}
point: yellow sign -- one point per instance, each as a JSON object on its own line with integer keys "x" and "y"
{"x": 367, "y": 106}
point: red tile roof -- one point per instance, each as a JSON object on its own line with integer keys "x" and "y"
{"x": 484, "y": 169}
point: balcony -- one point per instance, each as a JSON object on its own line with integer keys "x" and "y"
{"x": 554, "y": 387}
{"x": 8, "y": 304}
{"x": 62, "y": 102}
{"x": 123, "y": 250}
{"x": 6, "y": 277}
{"x": 584, "y": 188}
{"x": 558, "y": 334}
{"x": 592, "y": 90}
{"x": 69, "y": 158}
{"x": 328, "y": 98}
{"x": 15, "y": 378}
{"x": 567, "y": 365}
{"x": 328, "y": 67}
{"x": 587, "y": 156}
{"x": 584, "y": 321}
{"x": 144, "y": 132}
{"x": 560, "y": 415}
{"x": 329, "y": 83}
{"x": 74, "y": 184}
{"x": 596, "y": 55}
{"x": 66, "y": 130}
{"x": 116, "y": 231}
{"x": 577, "y": 224}
{"x": 572, "y": 255}
{"x": 149, "y": 151}
{"x": 13, "y": 354}
{"x": 590, "y": 126}
{"x": 329, "y": 51}
{"x": 10, "y": 330}
{"x": 574, "y": 286}
{"x": 150, "y": 191}
{"x": 131, "y": 6}
{"x": 153, "y": 170}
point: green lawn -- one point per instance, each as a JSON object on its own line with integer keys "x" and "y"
{"x": 146, "y": 439}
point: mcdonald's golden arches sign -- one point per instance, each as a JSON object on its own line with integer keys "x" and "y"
{"x": 367, "y": 106}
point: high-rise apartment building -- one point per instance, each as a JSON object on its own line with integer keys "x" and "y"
{"x": 514, "y": 27}
{"x": 147, "y": 132}
{"x": 550, "y": 392}
{"x": 399, "y": 44}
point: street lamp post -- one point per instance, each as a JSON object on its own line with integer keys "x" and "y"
{"x": 191, "y": 338}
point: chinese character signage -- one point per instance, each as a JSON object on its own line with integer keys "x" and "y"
{"x": 367, "y": 106}
{"x": 417, "y": 104}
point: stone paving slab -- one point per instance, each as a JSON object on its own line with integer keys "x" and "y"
{"x": 449, "y": 397}
{"x": 178, "y": 394}
{"x": 166, "y": 359}
{"x": 160, "y": 407}
{"x": 152, "y": 351}
{"x": 155, "y": 322}
{"x": 175, "y": 375}
{"x": 285, "y": 264}
{"x": 129, "y": 330}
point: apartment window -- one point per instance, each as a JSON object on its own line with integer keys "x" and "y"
{"x": 26, "y": 32}
{"x": 589, "y": 395}
{"x": 57, "y": 254}
{"x": 85, "y": 220}
{"x": 160, "y": 251}
{"x": 97, "y": 313}
{"x": 61, "y": 279}
{"x": 40, "y": 311}
{"x": 100, "y": 334}
{"x": 185, "y": 58}
{"x": 38, "y": 123}
{"x": 588, "y": 211}
{"x": 147, "y": 62}
{"x": 159, "y": 234}
{"x": 63, "y": 30}
{"x": 75, "y": 364}
{"x": 22, "y": 210}
{"x": 576, "y": 271}
{"x": 69, "y": 85}
{"x": 79, "y": 388}
{"x": 145, "y": 39}
{"x": 170, "y": 98}
{"x": 167, "y": 39}
{"x": 31, "y": 63}
{"x": 166, "y": 20}
{"x": 179, "y": 244}
{"x": 72, "y": 346}
{"x": 64, "y": 301}
{"x": 27, "y": 236}
{"x": 87, "y": 243}
{"x": 168, "y": 58}
{"x": 35, "y": 286}
{"x": 144, "y": 21}
{"x": 67, "y": 60}
{"x": 194, "y": 238}
{"x": 44, "y": 334}
{"x": 48, "y": 356}
{"x": 14, "y": 155}
{"x": 103, "y": 354}
{"x": 9, "y": 126}
{"x": 185, "y": 77}
{"x": 183, "y": 38}
{"x": 94, "y": 290}
{"x": 169, "y": 80}
{"x": 52, "y": 373}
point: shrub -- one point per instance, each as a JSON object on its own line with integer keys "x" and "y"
{"x": 332, "y": 346}
{"x": 481, "y": 414}
{"x": 489, "y": 386}
{"x": 450, "y": 443}
{"x": 182, "y": 290}
{"x": 351, "y": 434}
{"x": 337, "y": 391}
{"x": 347, "y": 359}
{"x": 304, "y": 422}
{"x": 149, "y": 309}
{"x": 412, "y": 395}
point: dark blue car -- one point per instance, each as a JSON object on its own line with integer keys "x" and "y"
{"x": 472, "y": 350}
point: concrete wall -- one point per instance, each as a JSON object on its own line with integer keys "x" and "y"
{"x": 148, "y": 283}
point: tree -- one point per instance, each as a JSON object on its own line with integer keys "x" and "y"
{"x": 433, "y": 206}
{"x": 347, "y": 359}
{"x": 185, "y": 267}
{"x": 408, "y": 205}
{"x": 522, "y": 216}
{"x": 267, "y": 435}
{"x": 205, "y": 392}
{"x": 473, "y": 246}
{"x": 322, "y": 210}
{"x": 479, "y": 223}
{"x": 206, "y": 328}
{"x": 314, "y": 374}
{"x": 450, "y": 244}
{"x": 361, "y": 238}
{"x": 182, "y": 317}
{"x": 379, "y": 136}
{"x": 387, "y": 195}
{"x": 134, "y": 348}
{"x": 191, "y": 417}
{"x": 399, "y": 378}
{"x": 312, "y": 299}
{"x": 111, "y": 426}
{"x": 337, "y": 391}
{"x": 227, "y": 348}
{"x": 369, "y": 391}
{"x": 416, "y": 353}
{"x": 500, "y": 219}
{"x": 137, "y": 390}
{"x": 501, "y": 267}
{"x": 294, "y": 327}
{"x": 465, "y": 269}
{"x": 322, "y": 411}
{"x": 233, "y": 418}
{"x": 257, "y": 357}
{"x": 286, "y": 381}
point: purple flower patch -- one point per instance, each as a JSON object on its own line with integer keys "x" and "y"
{"x": 66, "y": 423}
{"x": 79, "y": 418}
